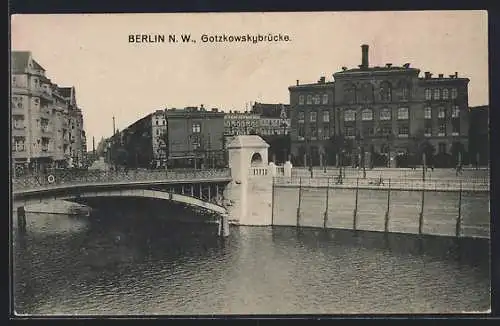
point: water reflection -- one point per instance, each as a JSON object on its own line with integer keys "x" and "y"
{"x": 153, "y": 263}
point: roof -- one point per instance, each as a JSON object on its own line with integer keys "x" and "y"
{"x": 377, "y": 69}
{"x": 269, "y": 110}
{"x": 247, "y": 141}
{"x": 19, "y": 61}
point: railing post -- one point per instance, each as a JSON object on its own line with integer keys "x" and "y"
{"x": 386, "y": 223}
{"x": 325, "y": 217}
{"x": 272, "y": 203}
{"x": 421, "y": 215}
{"x": 459, "y": 218}
{"x": 355, "y": 213}
{"x": 300, "y": 198}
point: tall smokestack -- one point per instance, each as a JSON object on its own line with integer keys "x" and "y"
{"x": 364, "y": 56}
{"x": 93, "y": 145}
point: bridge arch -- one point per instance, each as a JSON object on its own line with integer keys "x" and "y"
{"x": 136, "y": 193}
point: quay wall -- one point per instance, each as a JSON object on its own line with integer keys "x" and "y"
{"x": 305, "y": 206}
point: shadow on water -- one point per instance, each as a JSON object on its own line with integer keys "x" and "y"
{"x": 469, "y": 251}
{"x": 126, "y": 237}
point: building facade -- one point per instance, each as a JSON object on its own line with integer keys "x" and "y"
{"x": 274, "y": 118}
{"x": 195, "y": 137}
{"x": 241, "y": 123}
{"x": 387, "y": 111}
{"x": 42, "y": 114}
{"x": 159, "y": 138}
{"x": 479, "y": 135}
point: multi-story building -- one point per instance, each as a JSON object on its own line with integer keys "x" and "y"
{"x": 75, "y": 127}
{"x": 189, "y": 137}
{"x": 159, "y": 137}
{"x": 41, "y": 112}
{"x": 479, "y": 137}
{"x": 195, "y": 137}
{"x": 241, "y": 123}
{"x": 387, "y": 110}
{"x": 274, "y": 118}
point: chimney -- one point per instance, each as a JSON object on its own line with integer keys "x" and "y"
{"x": 364, "y": 56}
{"x": 451, "y": 76}
{"x": 440, "y": 75}
{"x": 456, "y": 74}
{"x": 344, "y": 68}
{"x": 406, "y": 65}
{"x": 202, "y": 108}
{"x": 297, "y": 82}
{"x": 322, "y": 80}
{"x": 428, "y": 75}
{"x": 388, "y": 65}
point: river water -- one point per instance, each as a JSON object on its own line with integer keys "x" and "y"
{"x": 137, "y": 262}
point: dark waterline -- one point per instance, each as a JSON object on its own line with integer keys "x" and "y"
{"x": 151, "y": 264}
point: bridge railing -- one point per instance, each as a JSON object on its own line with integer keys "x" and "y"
{"x": 381, "y": 183}
{"x": 79, "y": 177}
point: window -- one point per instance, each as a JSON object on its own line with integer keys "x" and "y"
{"x": 350, "y": 115}
{"x": 455, "y": 112}
{"x": 437, "y": 93}
{"x": 367, "y": 115}
{"x": 368, "y": 131}
{"x": 403, "y": 114}
{"x": 386, "y": 131}
{"x": 312, "y": 116}
{"x": 18, "y": 122}
{"x": 454, "y": 93}
{"x": 428, "y": 129}
{"x": 442, "y": 113}
{"x": 326, "y": 116}
{"x": 317, "y": 99}
{"x": 385, "y": 92}
{"x": 455, "y": 125}
{"x": 313, "y": 131}
{"x": 326, "y": 131}
{"x": 428, "y": 113}
{"x": 156, "y": 122}
{"x": 403, "y": 131}
{"x": 19, "y": 143}
{"x": 428, "y": 94}
{"x": 385, "y": 114}
{"x": 445, "y": 93}
{"x": 301, "y": 131}
{"x": 163, "y": 122}
{"x": 367, "y": 92}
{"x": 404, "y": 92}
{"x": 196, "y": 128}
{"x": 309, "y": 99}
{"x": 350, "y": 94}
{"x": 301, "y": 99}
{"x": 325, "y": 98}
{"x": 196, "y": 142}
{"x": 300, "y": 116}
{"x": 442, "y": 129}
{"x": 349, "y": 131}
{"x": 157, "y": 132}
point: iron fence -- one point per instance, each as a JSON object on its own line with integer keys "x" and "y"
{"x": 80, "y": 177}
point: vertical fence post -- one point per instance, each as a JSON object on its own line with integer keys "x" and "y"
{"x": 386, "y": 223}
{"x": 325, "y": 217}
{"x": 421, "y": 215}
{"x": 355, "y": 213}
{"x": 459, "y": 217}
{"x": 21, "y": 219}
{"x": 272, "y": 203}
{"x": 300, "y": 198}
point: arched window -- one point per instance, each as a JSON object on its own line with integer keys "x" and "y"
{"x": 350, "y": 93}
{"x": 367, "y": 115}
{"x": 367, "y": 92}
{"x": 385, "y": 91}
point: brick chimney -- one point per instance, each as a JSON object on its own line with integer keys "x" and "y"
{"x": 297, "y": 82}
{"x": 440, "y": 75}
{"x": 364, "y": 56}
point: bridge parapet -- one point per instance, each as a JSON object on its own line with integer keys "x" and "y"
{"x": 70, "y": 177}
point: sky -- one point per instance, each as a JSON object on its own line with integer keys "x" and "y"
{"x": 126, "y": 80}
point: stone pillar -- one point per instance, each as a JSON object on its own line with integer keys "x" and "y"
{"x": 249, "y": 197}
{"x": 287, "y": 168}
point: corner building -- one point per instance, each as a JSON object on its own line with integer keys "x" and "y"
{"x": 382, "y": 111}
